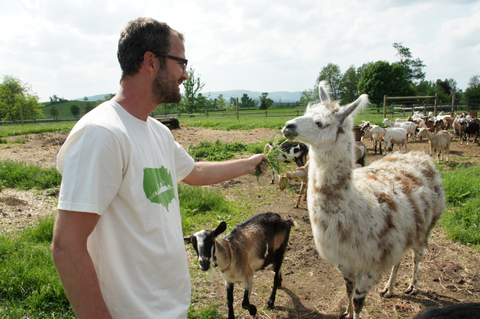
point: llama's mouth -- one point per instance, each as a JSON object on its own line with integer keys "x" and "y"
{"x": 289, "y": 133}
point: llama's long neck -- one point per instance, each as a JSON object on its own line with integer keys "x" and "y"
{"x": 330, "y": 174}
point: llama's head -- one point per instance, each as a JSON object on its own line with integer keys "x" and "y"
{"x": 324, "y": 123}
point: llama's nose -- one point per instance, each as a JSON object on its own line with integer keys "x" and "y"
{"x": 290, "y": 130}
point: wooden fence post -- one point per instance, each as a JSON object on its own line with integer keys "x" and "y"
{"x": 237, "y": 108}
{"x": 436, "y": 104}
{"x": 384, "y": 106}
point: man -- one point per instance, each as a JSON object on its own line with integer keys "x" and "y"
{"x": 118, "y": 242}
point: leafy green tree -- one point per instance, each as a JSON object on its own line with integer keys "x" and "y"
{"x": 233, "y": 101}
{"x": 17, "y": 100}
{"x": 246, "y": 102}
{"x": 472, "y": 92}
{"x": 382, "y": 78}
{"x": 265, "y": 102}
{"x": 331, "y": 73}
{"x": 54, "y": 112}
{"x": 413, "y": 67}
{"x": 221, "y": 102}
{"x": 309, "y": 95}
{"x": 349, "y": 85}
{"x": 192, "y": 87}
{"x": 75, "y": 110}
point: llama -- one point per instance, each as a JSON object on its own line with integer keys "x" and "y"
{"x": 364, "y": 220}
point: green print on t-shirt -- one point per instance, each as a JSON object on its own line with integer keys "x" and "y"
{"x": 158, "y": 186}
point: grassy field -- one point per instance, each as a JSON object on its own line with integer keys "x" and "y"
{"x": 30, "y": 287}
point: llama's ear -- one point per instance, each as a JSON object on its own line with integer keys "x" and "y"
{"x": 352, "y": 108}
{"x": 323, "y": 92}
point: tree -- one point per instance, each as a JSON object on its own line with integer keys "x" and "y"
{"x": 246, "y": 102}
{"x": 192, "y": 87}
{"x": 54, "y": 112}
{"x": 382, "y": 78}
{"x": 413, "y": 67}
{"x": 331, "y": 73}
{"x": 309, "y": 95}
{"x": 473, "y": 91}
{"x": 75, "y": 110}
{"x": 265, "y": 102}
{"x": 349, "y": 85}
{"x": 221, "y": 102}
{"x": 17, "y": 101}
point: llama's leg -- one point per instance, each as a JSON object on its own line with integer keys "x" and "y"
{"x": 350, "y": 281}
{"x": 246, "y": 297}
{"x": 418, "y": 256}
{"x": 387, "y": 292}
{"x": 364, "y": 284}
{"x": 229, "y": 287}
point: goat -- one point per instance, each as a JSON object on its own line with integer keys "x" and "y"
{"x": 289, "y": 152}
{"x": 257, "y": 242}
{"x": 364, "y": 220}
{"x": 470, "y": 128}
{"x": 300, "y": 173}
{"x": 464, "y": 311}
{"x": 440, "y": 141}
{"x": 410, "y": 127}
{"x": 391, "y": 136}
{"x": 376, "y": 137}
{"x": 360, "y": 153}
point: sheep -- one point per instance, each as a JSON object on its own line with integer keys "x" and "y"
{"x": 289, "y": 152}
{"x": 364, "y": 220}
{"x": 300, "y": 173}
{"x": 252, "y": 245}
{"x": 391, "y": 136}
{"x": 410, "y": 127}
{"x": 465, "y": 311}
{"x": 440, "y": 141}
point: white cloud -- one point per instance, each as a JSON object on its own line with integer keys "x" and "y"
{"x": 68, "y": 47}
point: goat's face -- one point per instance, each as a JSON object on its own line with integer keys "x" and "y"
{"x": 323, "y": 122}
{"x": 204, "y": 244}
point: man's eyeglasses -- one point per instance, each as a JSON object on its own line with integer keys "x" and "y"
{"x": 184, "y": 61}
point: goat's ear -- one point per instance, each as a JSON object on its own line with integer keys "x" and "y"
{"x": 187, "y": 240}
{"x": 220, "y": 229}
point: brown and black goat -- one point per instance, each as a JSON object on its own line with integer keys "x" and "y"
{"x": 257, "y": 242}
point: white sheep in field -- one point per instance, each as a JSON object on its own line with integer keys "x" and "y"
{"x": 410, "y": 127}
{"x": 365, "y": 219}
{"x": 391, "y": 136}
{"x": 440, "y": 141}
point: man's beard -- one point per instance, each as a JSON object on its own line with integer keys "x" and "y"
{"x": 165, "y": 89}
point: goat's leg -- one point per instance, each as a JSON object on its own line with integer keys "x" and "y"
{"x": 246, "y": 296}
{"x": 302, "y": 189}
{"x": 387, "y": 292}
{"x": 277, "y": 279}
{"x": 418, "y": 256}
{"x": 364, "y": 283}
{"x": 229, "y": 287}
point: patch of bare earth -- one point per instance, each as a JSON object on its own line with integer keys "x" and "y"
{"x": 312, "y": 288}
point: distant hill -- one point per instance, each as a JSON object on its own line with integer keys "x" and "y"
{"x": 283, "y": 96}
{"x": 277, "y": 96}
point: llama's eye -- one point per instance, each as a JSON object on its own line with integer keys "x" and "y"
{"x": 321, "y": 125}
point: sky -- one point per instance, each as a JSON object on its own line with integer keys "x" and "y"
{"x": 68, "y": 47}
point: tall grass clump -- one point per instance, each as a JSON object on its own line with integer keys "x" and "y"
{"x": 202, "y": 206}
{"x": 29, "y": 284}
{"x": 25, "y": 176}
{"x": 217, "y": 151}
{"x": 462, "y": 190}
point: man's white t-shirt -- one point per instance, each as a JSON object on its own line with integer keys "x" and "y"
{"x": 126, "y": 170}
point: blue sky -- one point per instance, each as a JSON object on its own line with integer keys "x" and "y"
{"x": 68, "y": 47}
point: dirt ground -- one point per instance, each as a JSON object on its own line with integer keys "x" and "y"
{"x": 312, "y": 288}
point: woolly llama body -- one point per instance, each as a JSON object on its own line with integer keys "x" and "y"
{"x": 363, "y": 220}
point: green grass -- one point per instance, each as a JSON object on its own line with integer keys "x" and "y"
{"x": 18, "y": 129}
{"x": 462, "y": 189}
{"x": 26, "y": 176}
